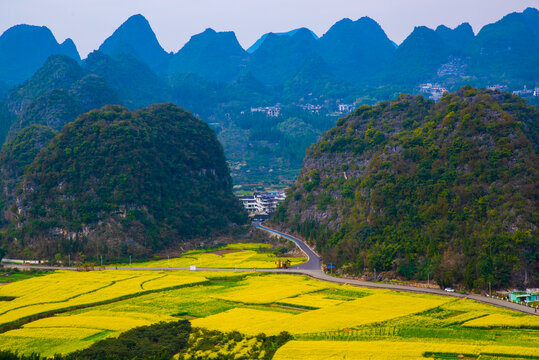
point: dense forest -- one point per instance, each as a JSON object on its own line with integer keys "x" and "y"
{"x": 417, "y": 188}
{"x": 115, "y": 182}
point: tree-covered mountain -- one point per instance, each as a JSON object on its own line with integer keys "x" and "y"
{"x": 15, "y": 156}
{"x": 417, "y": 58}
{"x": 259, "y": 42}
{"x": 58, "y": 72}
{"x": 25, "y": 48}
{"x": 357, "y": 49}
{"x": 132, "y": 79}
{"x": 136, "y": 38}
{"x": 215, "y": 56}
{"x": 55, "y": 95}
{"x": 456, "y": 40}
{"x": 118, "y": 182}
{"x": 507, "y": 50}
{"x": 279, "y": 57}
{"x": 414, "y": 187}
{"x": 353, "y": 63}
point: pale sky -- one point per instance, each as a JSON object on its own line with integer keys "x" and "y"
{"x": 90, "y": 22}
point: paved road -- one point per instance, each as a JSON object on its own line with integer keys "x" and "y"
{"x": 314, "y": 262}
{"x": 313, "y": 268}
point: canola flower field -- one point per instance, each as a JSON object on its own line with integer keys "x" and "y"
{"x": 66, "y": 311}
{"x": 239, "y": 255}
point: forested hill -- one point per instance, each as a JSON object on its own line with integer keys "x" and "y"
{"x": 116, "y": 182}
{"x": 418, "y": 188}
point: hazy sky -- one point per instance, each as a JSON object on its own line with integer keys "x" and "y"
{"x": 89, "y": 22}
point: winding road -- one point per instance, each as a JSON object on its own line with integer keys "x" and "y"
{"x": 313, "y": 268}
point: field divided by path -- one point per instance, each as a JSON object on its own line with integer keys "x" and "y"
{"x": 314, "y": 311}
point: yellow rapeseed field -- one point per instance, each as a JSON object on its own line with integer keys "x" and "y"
{"x": 314, "y": 300}
{"x": 104, "y": 320}
{"x": 65, "y": 289}
{"x": 271, "y": 288}
{"x": 241, "y": 259}
{"x": 239, "y": 255}
{"x": 374, "y": 308}
{"x": 381, "y": 350}
{"x": 245, "y": 301}
{"x": 505, "y": 321}
{"x": 248, "y": 246}
{"x": 54, "y": 332}
{"x": 247, "y": 321}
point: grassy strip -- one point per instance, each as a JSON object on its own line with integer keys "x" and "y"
{"x": 352, "y": 334}
{"x": 145, "y": 281}
{"x": 511, "y": 356}
{"x": 437, "y": 355}
{"x": 298, "y": 307}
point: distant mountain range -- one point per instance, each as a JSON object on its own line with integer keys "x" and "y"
{"x": 25, "y": 48}
{"x": 356, "y": 51}
{"x": 46, "y": 83}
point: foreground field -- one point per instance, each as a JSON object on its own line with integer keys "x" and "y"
{"x": 65, "y": 311}
{"x": 241, "y": 256}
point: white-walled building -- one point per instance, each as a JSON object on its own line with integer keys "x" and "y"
{"x": 262, "y": 203}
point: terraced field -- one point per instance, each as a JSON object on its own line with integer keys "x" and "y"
{"x": 65, "y": 311}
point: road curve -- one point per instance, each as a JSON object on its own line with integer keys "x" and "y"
{"x": 314, "y": 263}
{"x": 313, "y": 268}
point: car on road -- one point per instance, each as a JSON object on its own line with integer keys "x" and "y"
{"x": 449, "y": 289}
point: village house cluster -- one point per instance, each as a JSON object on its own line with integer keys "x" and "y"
{"x": 261, "y": 203}
{"x": 525, "y": 92}
{"x": 432, "y": 91}
{"x": 271, "y": 111}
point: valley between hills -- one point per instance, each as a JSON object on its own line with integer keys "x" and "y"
{"x": 410, "y": 174}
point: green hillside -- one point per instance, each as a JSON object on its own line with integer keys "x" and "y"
{"x": 15, "y": 156}
{"x": 118, "y": 182}
{"x": 418, "y": 188}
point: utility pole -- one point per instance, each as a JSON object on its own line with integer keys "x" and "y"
{"x": 374, "y": 274}
{"x": 130, "y": 260}
{"x": 101, "y": 260}
{"x": 69, "y": 257}
{"x": 428, "y": 280}
{"x": 489, "y": 292}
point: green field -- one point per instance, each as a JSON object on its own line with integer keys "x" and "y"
{"x": 66, "y": 311}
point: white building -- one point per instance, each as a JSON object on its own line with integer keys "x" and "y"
{"x": 497, "y": 87}
{"x": 523, "y": 92}
{"x": 433, "y": 91}
{"x": 271, "y": 111}
{"x": 346, "y": 108}
{"x": 311, "y": 108}
{"x": 262, "y": 203}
